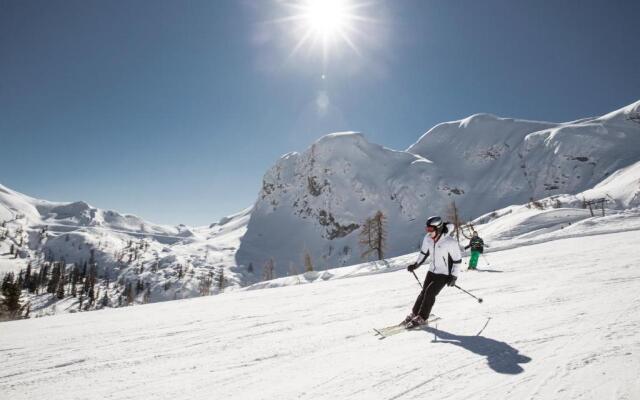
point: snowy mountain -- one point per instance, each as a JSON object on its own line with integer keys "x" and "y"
{"x": 135, "y": 261}
{"x": 315, "y": 202}
{"x": 559, "y": 321}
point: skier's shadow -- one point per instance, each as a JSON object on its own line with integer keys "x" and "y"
{"x": 501, "y": 357}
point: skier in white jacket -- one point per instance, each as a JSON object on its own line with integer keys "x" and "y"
{"x": 444, "y": 266}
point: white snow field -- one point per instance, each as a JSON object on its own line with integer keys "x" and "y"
{"x": 560, "y": 320}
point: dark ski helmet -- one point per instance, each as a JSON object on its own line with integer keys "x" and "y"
{"x": 435, "y": 223}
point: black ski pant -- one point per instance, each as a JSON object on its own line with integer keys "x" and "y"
{"x": 433, "y": 284}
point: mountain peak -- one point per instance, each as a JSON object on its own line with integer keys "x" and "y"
{"x": 341, "y": 139}
{"x": 478, "y": 118}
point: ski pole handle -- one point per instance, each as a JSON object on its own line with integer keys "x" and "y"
{"x": 475, "y": 297}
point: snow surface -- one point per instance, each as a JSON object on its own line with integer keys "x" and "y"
{"x": 560, "y": 320}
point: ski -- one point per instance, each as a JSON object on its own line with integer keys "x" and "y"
{"x": 395, "y": 329}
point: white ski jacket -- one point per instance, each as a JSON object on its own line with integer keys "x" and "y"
{"x": 445, "y": 255}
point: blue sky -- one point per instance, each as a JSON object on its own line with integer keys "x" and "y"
{"x": 173, "y": 110}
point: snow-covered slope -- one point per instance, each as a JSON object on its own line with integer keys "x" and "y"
{"x": 622, "y": 187}
{"x": 559, "y": 321}
{"x": 317, "y": 200}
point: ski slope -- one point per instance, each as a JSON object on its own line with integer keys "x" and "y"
{"x": 560, "y": 320}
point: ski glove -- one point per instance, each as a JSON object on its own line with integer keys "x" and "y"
{"x": 452, "y": 280}
{"x": 412, "y": 267}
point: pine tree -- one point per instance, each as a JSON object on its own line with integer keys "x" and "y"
{"x": 20, "y": 236}
{"x": 10, "y": 307}
{"x": 84, "y": 270}
{"x": 85, "y": 285}
{"x": 373, "y": 236}
{"x": 20, "y": 280}
{"x": 6, "y": 281}
{"x": 268, "y": 270}
{"x": 129, "y": 292}
{"x": 43, "y": 277}
{"x": 221, "y": 279}
{"x": 206, "y": 280}
{"x": 557, "y": 203}
{"x": 104, "y": 302}
{"x": 147, "y": 295}
{"x": 27, "y": 277}
{"x": 91, "y": 285}
{"x": 308, "y": 264}
{"x": 139, "y": 287}
{"x": 454, "y": 217}
{"x": 74, "y": 280}
{"x": 55, "y": 278}
{"x": 32, "y": 285}
{"x": 61, "y": 283}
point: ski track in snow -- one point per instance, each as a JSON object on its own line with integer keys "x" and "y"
{"x": 561, "y": 322}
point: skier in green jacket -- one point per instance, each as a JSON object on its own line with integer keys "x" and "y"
{"x": 477, "y": 247}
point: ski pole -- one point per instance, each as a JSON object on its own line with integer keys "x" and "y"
{"x": 414, "y": 274}
{"x": 485, "y": 259}
{"x": 475, "y": 297}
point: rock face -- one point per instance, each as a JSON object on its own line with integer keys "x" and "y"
{"x": 315, "y": 202}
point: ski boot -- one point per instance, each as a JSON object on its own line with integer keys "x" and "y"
{"x": 416, "y": 322}
{"x": 407, "y": 319}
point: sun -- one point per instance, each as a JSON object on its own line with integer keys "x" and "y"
{"x": 327, "y": 17}
{"x": 324, "y": 23}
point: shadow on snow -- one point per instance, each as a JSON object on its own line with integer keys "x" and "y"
{"x": 501, "y": 357}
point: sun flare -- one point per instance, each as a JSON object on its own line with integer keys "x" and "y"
{"x": 327, "y": 17}
{"x": 325, "y": 23}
